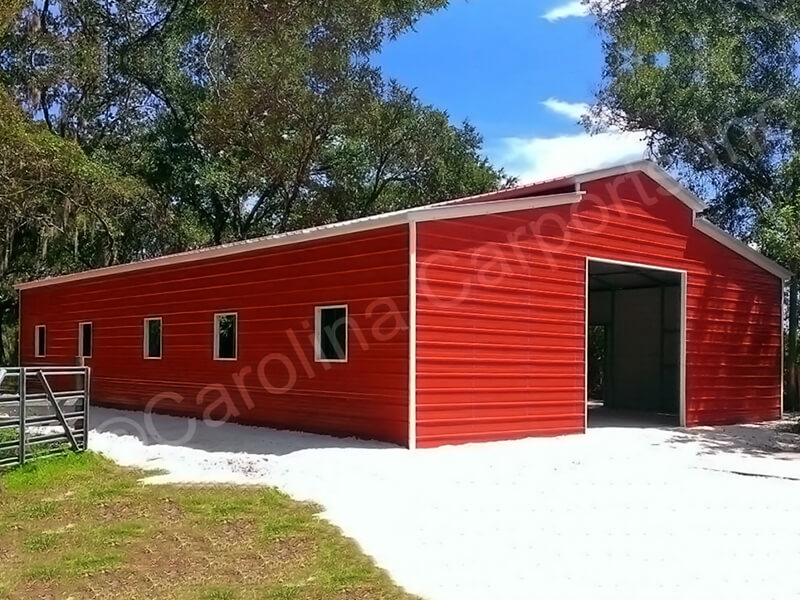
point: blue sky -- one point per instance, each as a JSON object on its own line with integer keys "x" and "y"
{"x": 523, "y": 72}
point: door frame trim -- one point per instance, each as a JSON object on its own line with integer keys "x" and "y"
{"x": 683, "y": 328}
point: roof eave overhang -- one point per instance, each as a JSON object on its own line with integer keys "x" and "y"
{"x": 420, "y": 214}
{"x": 687, "y": 197}
{"x": 735, "y": 244}
{"x": 465, "y": 207}
{"x": 656, "y": 173}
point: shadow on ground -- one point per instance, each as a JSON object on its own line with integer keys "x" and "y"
{"x": 777, "y": 440}
{"x": 600, "y": 417}
{"x": 152, "y": 429}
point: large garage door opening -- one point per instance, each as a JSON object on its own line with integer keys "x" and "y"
{"x": 633, "y": 346}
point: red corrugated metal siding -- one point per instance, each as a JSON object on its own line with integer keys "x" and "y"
{"x": 274, "y": 292}
{"x": 500, "y": 312}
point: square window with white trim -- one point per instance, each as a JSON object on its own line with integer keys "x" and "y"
{"x": 225, "y": 336}
{"x": 153, "y": 338}
{"x": 330, "y": 337}
{"x": 40, "y": 341}
{"x": 85, "y": 341}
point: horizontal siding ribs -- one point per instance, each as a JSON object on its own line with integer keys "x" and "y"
{"x": 488, "y": 367}
{"x": 274, "y": 291}
{"x": 500, "y": 312}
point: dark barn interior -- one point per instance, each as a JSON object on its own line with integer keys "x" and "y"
{"x": 633, "y": 345}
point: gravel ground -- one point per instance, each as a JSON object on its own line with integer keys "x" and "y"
{"x": 621, "y": 512}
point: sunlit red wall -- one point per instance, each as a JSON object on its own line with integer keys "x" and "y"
{"x": 500, "y": 324}
{"x": 275, "y": 380}
{"x": 500, "y": 313}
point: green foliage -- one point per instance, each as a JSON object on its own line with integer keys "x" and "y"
{"x": 9, "y": 10}
{"x": 246, "y": 118}
{"x": 168, "y": 124}
{"x": 398, "y": 154}
{"x": 778, "y": 233}
{"x": 716, "y": 85}
{"x": 63, "y": 211}
{"x": 778, "y": 229}
{"x": 8, "y": 435}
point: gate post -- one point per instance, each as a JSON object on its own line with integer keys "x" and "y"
{"x": 86, "y": 391}
{"x": 23, "y": 392}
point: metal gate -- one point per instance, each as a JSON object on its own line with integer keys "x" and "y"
{"x": 43, "y": 411}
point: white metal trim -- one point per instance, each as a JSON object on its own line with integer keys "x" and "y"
{"x": 216, "y": 336}
{"x": 682, "y": 193}
{"x": 655, "y": 172}
{"x": 146, "y": 337}
{"x": 423, "y": 213}
{"x": 445, "y": 210}
{"x": 80, "y": 338}
{"x": 37, "y": 351}
{"x": 19, "y": 331}
{"x": 625, "y": 263}
{"x": 586, "y": 346}
{"x": 318, "y": 330}
{"x": 783, "y": 350}
{"x": 683, "y": 333}
{"x": 726, "y": 239}
{"x": 684, "y": 337}
{"x": 412, "y": 335}
{"x": 438, "y": 213}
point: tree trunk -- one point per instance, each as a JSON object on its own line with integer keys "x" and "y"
{"x": 3, "y": 362}
{"x": 792, "y": 399}
{"x": 219, "y": 219}
{"x": 9, "y": 342}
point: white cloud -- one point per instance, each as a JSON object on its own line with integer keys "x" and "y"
{"x": 541, "y": 158}
{"x": 565, "y": 11}
{"x": 571, "y": 110}
{"x": 538, "y": 158}
{"x": 576, "y": 8}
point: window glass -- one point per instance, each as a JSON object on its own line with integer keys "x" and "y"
{"x": 41, "y": 341}
{"x": 332, "y": 333}
{"x": 152, "y": 338}
{"x": 226, "y": 336}
{"x": 85, "y": 340}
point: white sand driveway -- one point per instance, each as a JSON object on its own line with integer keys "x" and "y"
{"x": 618, "y": 513}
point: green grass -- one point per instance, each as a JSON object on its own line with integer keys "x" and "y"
{"x": 78, "y": 525}
{"x": 41, "y": 542}
{"x": 32, "y": 452}
{"x": 8, "y": 435}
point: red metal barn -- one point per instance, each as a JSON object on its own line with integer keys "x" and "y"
{"x": 494, "y": 317}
